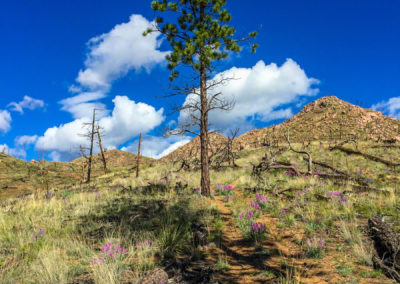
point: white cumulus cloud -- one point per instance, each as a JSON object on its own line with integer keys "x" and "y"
{"x": 126, "y": 121}
{"x": 25, "y": 140}
{"x": 5, "y": 121}
{"x": 157, "y": 146}
{"x": 390, "y": 107}
{"x": 26, "y": 103}
{"x": 111, "y": 56}
{"x": 260, "y": 93}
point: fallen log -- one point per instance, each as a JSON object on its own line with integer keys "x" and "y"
{"x": 387, "y": 247}
{"x": 322, "y": 164}
{"x": 367, "y": 156}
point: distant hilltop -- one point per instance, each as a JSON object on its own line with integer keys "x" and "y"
{"x": 328, "y": 118}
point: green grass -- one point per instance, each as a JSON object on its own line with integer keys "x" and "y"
{"x": 126, "y": 211}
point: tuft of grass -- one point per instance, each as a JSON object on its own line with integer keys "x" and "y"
{"x": 222, "y": 263}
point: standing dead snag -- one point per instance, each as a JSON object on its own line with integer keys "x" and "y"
{"x": 91, "y": 135}
{"x": 300, "y": 152}
{"x": 138, "y": 156}
{"x": 103, "y": 157}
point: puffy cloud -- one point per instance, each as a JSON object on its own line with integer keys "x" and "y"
{"x": 259, "y": 93}
{"x": 5, "y": 121}
{"x": 83, "y": 104}
{"x": 28, "y": 103}
{"x": 390, "y": 107}
{"x": 111, "y": 56}
{"x": 158, "y": 147}
{"x": 126, "y": 121}
{"x": 25, "y": 140}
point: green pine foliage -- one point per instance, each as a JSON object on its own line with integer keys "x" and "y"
{"x": 200, "y": 35}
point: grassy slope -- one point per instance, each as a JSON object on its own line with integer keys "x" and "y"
{"x": 123, "y": 210}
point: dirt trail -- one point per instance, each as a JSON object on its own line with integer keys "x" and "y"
{"x": 276, "y": 258}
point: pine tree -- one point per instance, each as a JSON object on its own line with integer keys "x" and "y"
{"x": 199, "y": 36}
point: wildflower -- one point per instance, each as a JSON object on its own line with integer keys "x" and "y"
{"x": 109, "y": 251}
{"x": 261, "y": 198}
{"x": 241, "y": 215}
{"x": 227, "y": 198}
{"x": 254, "y": 204}
{"x": 228, "y": 187}
{"x": 258, "y": 227}
{"x": 150, "y": 183}
{"x": 333, "y": 193}
{"x": 317, "y": 173}
{"x": 249, "y": 214}
{"x": 213, "y": 192}
{"x": 295, "y": 164}
{"x": 289, "y": 173}
{"x": 34, "y": 236}
{"x": 197, "y": 189}
{"x": 359, "y": 172}
{"x": 316, "y": 243}
{"x": 283, "y": 211}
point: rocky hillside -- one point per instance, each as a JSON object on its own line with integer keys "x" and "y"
{"x": 328, "y": 118}
{"x": 116, "y": 158}
{"x": 193, "y": 148}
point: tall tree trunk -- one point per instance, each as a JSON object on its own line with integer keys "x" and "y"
{"x": 103, "y": 157}
{"x": 138, "y": 156}
{"x": 205, "y": 175}
{"x": 91, "y": 147}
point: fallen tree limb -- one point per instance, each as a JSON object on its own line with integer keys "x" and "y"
{"x": 322, "y": 164}
{"x": 368, "y": 156}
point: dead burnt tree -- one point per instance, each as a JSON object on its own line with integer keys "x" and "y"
{"x": 300, "y": 152}
{"x": 195, "y": 112}
{"x": 229, "y": 147}
{"x": 387, "y": 247}
{"x": 138, "y": 156}
{"x": 90, "y": 134}
{"x": 103, "y": 157}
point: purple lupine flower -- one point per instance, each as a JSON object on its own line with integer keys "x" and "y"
{"x": 295, "y": 164}
{"x": 359, "y": 172}
{"x": 261, "y": 198}
{"x": 241, "y": 215}
{"x": 249, "y": 214}
{"x": 258, "y": 227}
{"x": 289, "y": 173}
{"x": 149, "y": 183}
{"x": 34, "y": 236}
{"x": 197, "y": 189}
{"x": 227, "y": 198}
{"x": 254, "y": 204}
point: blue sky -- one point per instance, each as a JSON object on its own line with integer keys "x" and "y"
{"x": 346, "y": 48}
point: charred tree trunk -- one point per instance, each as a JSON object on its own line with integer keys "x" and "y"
{"x": 103, "y": 157}
{"x": 138, "y": 156}
{"x": 300, "y": 152}
{"x": 387, "y": 246}
{"x": 91, "y": 147}
{"x": 205, "y": 175}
